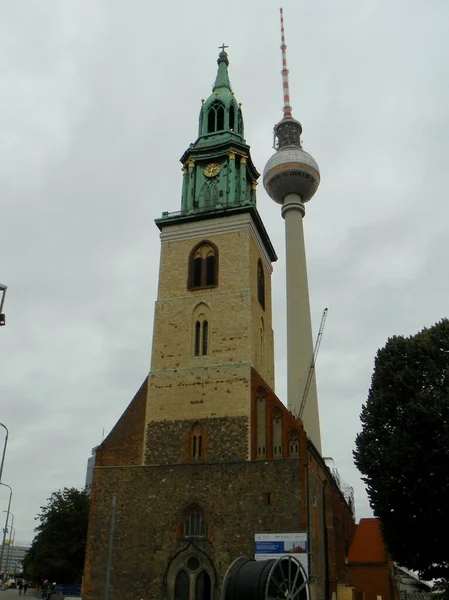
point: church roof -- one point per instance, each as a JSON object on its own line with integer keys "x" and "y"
{"x": 368, "y": 545}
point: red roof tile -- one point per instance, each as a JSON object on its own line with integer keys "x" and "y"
{"x": 367, "y": 545}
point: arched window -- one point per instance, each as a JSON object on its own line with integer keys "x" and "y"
{"x": 215, "y": 117}
{"x": 240, "y": 122}
{"x": 209, "y": 195}
{"x": 203, "y": 266}
{"x": 197, "y": 338}
{"x": 193, "y": 523}
{"x": 205, "y": 326}
{"x": 198, "y": 440}
{"x": 191, "y": 576}
{"x": 293, "y": 443}
{"x": 261, "y": 415}
{"x": 182, "y": 585}
{"x": 202, "y": 586}
{"x": 260, "y": 284}
{"x": 276, "y": 420}
{"x": 231, "y": 117}
{"x": 201, "y": 329}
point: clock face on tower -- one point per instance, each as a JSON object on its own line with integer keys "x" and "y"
{"x": 212, "y": 169}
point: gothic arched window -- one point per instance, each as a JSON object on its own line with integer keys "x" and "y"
{"x": 215, "y": 117}
{"x": 260, "y": 284}
{"x": 261, "y": 416}
{"x": 191, "y": 576}
{"x": 276, "y": 420}
{"x": 203, "y": 266}
{"x": 231, "y": 117}
{"x": 240, "y": 122}
{"x": 197, "y": 443}
{"x": 209, "y": 194}
{"x": 201, "y": 329}
{"x": 182, "y": 586}
{"x": 193, "y": 523}
{"x": 293, "y": 443}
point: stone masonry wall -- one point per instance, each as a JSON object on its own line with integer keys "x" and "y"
{"x": 224, "y": 439}
{"x": 149, "y": 504}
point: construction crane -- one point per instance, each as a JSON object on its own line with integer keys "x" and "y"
{"x": 312, "y": 365}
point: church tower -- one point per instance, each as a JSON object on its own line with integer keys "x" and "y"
{"x": 212, "y": 321}
{"x": 206, "y": 464}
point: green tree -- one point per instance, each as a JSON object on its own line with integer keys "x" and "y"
{"x": 403, "y": 448}
{"x": 57, "y": 551}
{"x": 440, "y": 590}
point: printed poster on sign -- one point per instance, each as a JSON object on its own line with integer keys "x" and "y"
{"x": 275, "y": 545}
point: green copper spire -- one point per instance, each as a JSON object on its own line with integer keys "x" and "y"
{"x": 219, "y": 175}
{"x": 222, "y": 79}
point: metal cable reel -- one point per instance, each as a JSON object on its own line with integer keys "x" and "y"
{"x": 283, "y": 578}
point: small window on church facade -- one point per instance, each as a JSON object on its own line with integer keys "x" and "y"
{"x": 260, "y": 284}
{"x": 203, "y": 266}
{"x": 261, "y": 409}
{"x": 293, "y": 443}
{"x": 201, "y": 337}
{"x": 198, "y": 443}
{"x": 200, "y": 332}
{"x": 276, "y": 420}
{"x": 194, "y": 525}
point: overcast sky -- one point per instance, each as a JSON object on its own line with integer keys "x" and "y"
{"x": 99, "y": 99}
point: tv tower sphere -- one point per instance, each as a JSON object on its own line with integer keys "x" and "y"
{"x": 291, "y": 170}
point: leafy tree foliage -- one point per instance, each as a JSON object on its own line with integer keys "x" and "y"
{"x": 57, "y": 551}
{"x": 440, "y": 590}
{"x": 403, "y": 448}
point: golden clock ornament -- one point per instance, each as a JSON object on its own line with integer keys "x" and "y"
{"x": 212, "y": 170}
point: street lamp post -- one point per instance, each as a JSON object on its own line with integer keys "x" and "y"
{"x": 9, "y": 553}
{"x": 6, "y": 524}
{"x": 4, "y": 449}
{"x": 10, "y": 549}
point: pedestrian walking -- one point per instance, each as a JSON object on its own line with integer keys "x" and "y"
{"x": 20, "y": 586}
{"x": 25, "y": 587}
{"x": 45, "y": 590}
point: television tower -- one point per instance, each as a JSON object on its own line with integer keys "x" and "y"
{"x": 291, "y": 178}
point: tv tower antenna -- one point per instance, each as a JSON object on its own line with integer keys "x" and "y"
{"x": 291, "y": 177}
{"x": 285, "y": 85}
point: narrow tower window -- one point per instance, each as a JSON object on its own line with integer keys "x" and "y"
{"x": 261, "y": 401}
{"x": 293, "y": 443}
{"x": 205, "y": 337}
{"x": 197, "y": 269}
{"x": 210, "y": 269}
{"x": 260, "y": 284}
{"x": 197, "y": 338}
{"x": 240, "y": 122}
{"x": 197, "y": 447}
{"x": 231, "y": 117}
{"x": 200, "y": 336}
{"x": 203, "y": 266}
{"x": 197, "y": 441}
{"x": 276, "y": 420}
{"x": 220, "y": 118}
{"x": 215, "y": 117}
{"x": 211, "y": 120}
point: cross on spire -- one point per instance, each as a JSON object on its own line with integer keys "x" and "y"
{"x": 222, "y": 47}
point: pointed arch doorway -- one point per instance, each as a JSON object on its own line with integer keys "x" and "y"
{"x": 191, "y": 576}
